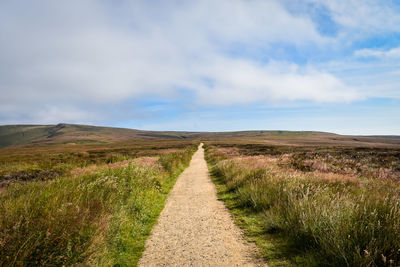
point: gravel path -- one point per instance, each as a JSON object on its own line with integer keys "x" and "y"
{"x": 195, "y": 229}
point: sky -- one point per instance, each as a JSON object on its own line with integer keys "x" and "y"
{"x": 226, "y": 65}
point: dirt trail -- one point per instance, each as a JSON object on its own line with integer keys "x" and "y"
{"x": 195, "y": 229}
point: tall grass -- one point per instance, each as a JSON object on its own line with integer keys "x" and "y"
{"x": 101, "y": 218}
{"x": 343, "y": 223}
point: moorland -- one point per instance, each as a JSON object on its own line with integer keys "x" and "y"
{"x": 85, "y": 195}
{"x": 84, "y": 202}
{"x": 313, "y": 202}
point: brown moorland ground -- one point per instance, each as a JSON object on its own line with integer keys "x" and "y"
{"x": 305, "y": 198}
{"x": 84, "y": 204}
{"x": 313, "y": 201}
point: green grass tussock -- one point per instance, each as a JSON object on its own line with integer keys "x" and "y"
{"x": 96, "y": 219}
{"x": 338, "y": 223}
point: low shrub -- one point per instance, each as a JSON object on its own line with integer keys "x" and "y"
{"x": 100, "y": 218}
{"x": 343, "y": 223}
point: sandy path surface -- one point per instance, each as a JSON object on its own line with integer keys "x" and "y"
{"x": 195, "y": 229}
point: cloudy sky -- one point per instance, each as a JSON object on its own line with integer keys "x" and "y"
{"x": 328, "y": 65}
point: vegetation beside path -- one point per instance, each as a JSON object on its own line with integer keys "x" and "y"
{"x": 99, "y": 215}
{"x": 309, "y": 218}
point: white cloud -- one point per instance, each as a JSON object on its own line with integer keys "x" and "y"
{"x": 54, "y": 114}
{"x": 384, "y": 54}
{"x": 242, "y": 82}
{"x": 363, "y": 17}
{"x": 46, "y": 114}
{"x": 71, "y": 52}
{"x": 378, "y": 78}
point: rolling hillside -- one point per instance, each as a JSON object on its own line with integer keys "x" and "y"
{"x": 16, "y": 135}
{"x": 13, "y": 135}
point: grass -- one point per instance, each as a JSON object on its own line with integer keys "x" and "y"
{"x": 91, "y": 203}
{"x": 62, "y": 158}
{"x": 310, "y": 218}
{"x": 371, "y": 161}
{"x": 96, "y": 218}
{"x": 13, "y": 135}
{"x": 275, "y": 249}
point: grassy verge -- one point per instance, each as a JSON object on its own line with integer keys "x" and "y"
{"x": 299, "y": 219}
{"x": 275, "y": 249}
{"x": 97, "y": 219}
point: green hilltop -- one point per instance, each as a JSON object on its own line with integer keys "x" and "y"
{"x": 15, "y": 135}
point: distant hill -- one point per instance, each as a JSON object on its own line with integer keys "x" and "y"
{"x": 14, "y": 135}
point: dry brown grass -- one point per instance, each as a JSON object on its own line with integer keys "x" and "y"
{"x": 97, "y": 212}
{"x": 149, "y": 162}
{"x": 257, "y": 162}
{"x": 340, "y": 207}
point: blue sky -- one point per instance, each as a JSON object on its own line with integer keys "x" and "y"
{"x": 203, "y": 65}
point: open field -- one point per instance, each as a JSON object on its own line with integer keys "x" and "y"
{"x": 14, "y": 135}
{"x": 257, "y": 133}
{"x": 88, "y": 204}
{"x": 312, "y": 204}
{"x": 84, "y": 195}
{"x": 73, "y": 134}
